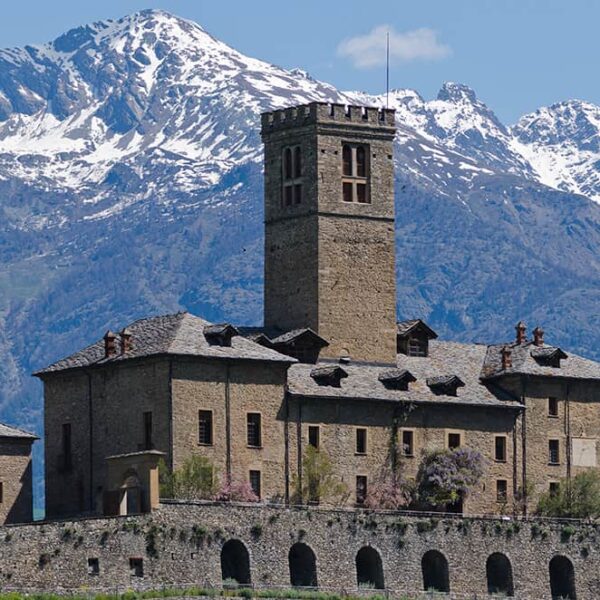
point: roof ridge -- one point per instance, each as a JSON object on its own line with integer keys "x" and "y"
{"x": 182, "y": 315}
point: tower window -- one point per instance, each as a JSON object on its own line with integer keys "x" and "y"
{"x": 355, "y": 172}
{"x": 292, "y": 187}
{"x": 148, "y": 444}
{"x": 66, "y": 459}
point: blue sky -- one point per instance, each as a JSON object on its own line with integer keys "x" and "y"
{"x": 517, "y": 54}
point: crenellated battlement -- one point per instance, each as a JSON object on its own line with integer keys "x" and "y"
{"x": 324, "y": 112}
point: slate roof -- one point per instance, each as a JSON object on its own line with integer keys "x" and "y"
{"x": 13, "y": 432}
{"x": 176, "y": 334}
{"x": 523, "y": 363}
{"x": 463, "y": 360}
{"x": 294, "y": 334}
{"x": 405, "y": 327}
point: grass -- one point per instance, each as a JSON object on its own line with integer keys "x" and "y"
{"x": 194, "y": 592}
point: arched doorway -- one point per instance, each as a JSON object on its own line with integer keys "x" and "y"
{"x": 130, "y": 502}
{"x": 235, "y": 563}
{"x": 499, "y": 574}
{"x": 303, "y": 566}
{"x": 369, "y": 570}
{"x": 435, "y": 572}
{"x": 562, "y": 578}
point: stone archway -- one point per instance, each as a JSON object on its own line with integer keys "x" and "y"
{"x": 369, "y": 568}
{"x": 130, "y": 502}
{"x": 303, "y": 566}
{"x": 562, "y": 578}
{"x": 499, "y": 574}
{"x": 435, "y": 572}
{"x": 235, "y": 563}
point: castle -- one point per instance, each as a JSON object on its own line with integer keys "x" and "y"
{"x": 331, "y": 368}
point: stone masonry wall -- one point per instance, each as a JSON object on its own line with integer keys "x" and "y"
{"x": 181, "y": 544}
{"x": 16, "y": 479}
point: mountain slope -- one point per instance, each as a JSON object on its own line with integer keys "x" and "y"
{"x": 131, "y": 184}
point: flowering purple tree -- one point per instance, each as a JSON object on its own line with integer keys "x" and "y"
{"x": 232, "y": 490}
{"x": 446, "y": 476}
{"x": 389, "y": 492}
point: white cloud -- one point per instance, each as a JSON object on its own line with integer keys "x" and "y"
{"x": 367, "y": 51}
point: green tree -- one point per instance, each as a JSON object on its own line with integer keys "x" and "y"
{"x": 579, "y": 498}
{"x": 318, "y": 481}
{"x": 194, "y": 480}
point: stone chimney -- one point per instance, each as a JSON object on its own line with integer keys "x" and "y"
{"x": 538, "y": 336}
{"x": 506, "y": 358}
{"x": 521, "y": 329}
{"x": 126, "y": 344}
{"x": 110, "y": 344}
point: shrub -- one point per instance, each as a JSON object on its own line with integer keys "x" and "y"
{"x": 194, "y": 480}
{"x": 389, "y": 492}
{"x": 233, "y": 490}
{"x": 318, "y": 481}
{"x": 446, "y": 476}
{"x": 579, "y": 499}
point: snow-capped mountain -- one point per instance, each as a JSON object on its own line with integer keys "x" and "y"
{"x": 131, "y": 184}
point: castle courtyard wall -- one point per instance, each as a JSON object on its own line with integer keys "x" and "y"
{"x": 180, "y": 544}
{"x": 16, "y": 501}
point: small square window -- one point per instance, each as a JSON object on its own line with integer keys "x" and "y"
{"x": 313, "y": 436}
{"x": 553, "y": 452}
{"x": 361, "y": 489}
{"x": 253, "y": 430}
{"x": 136, "y": 567}
{"x": 408, "y": 443}
{"x": 501, "y": 490}
{"x": 255, "y": 483}
{"x": 454, "y": 441}
{"x": 552, "y": 406}
{"x": 500, "y": 448}
{"x": 361, "y": 441}
{"x": 93, "y": 566}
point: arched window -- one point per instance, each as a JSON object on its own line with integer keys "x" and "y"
{"x": 303, "y": 566}
{"x": 347, "y": 160}
{"x": 287, "y": 163}
{"x": 291, "y": 191}
{"x": 355, "y": 172}
{"x": 361, "y": 162}
{"x": 435, "y": 572}
{"x": 297, "y": 162}
{"x": 235, "y": 563}
{"x": 562, "y": 578}
{"x": 499, "y": 574}
{"x": 369, "y": 570}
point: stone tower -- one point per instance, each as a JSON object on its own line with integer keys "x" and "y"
{"x": 329, "y": 227}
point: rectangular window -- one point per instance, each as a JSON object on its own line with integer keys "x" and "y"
{"x": 253, "y": 428}
{"x": 552, "y": 407}
{"x": 500, "y": 448}
{"x": 453, "y": 441}
{"x": 361, "y": 193}
{"x": 93, "y": 566}
{"x": 205, "y": 427}
{"x": 501, "y": 490}
{"x": 553, "y": 452}
{"x": 417, "y": 347}
{"x": 361, "y": 441}
{"x": 1, "y": 492}
{"x": 136, "y": 567}
{"x": 148, "y": 431}
{"x": 361, "y": 489}
{"x": 67, "y": 451}
{"x": 313, "y": 436}
{"x": 298, "y": 193}
{"x": 408, "y": 443}
{"x": 255, "y": 482}
{"x": 554, "y": 488}
{"x": 288, "y": 191}
{"x": 347, "y": 191}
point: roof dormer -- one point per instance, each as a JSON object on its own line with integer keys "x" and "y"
{"x": 302, "y": 344}
{"x": 548, "y": 356}
{"x": 331, "y": 375}
{"x": 413, "y": 337}
{"x": 445, "y": 385}
{"x": 220, "y": 334}
{"x": 396, "y": 379}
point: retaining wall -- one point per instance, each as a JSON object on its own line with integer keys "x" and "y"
{"x": 181, "y": 544}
